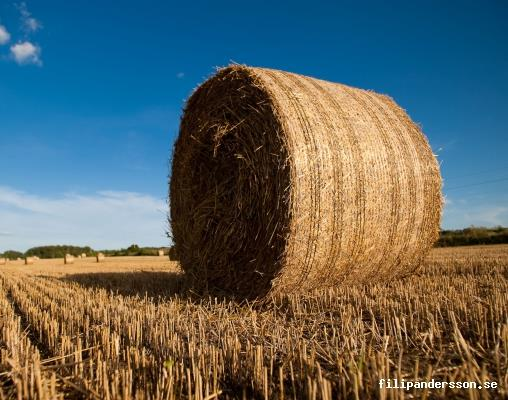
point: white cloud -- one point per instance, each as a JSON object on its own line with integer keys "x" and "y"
{"x": 462, "y": 213}
{"x": 26, "y": 53}
{"x": 28, "y": 23}
{"x": 5, "y": 36}
{"x": 32, "y": 24}
{"x": 487, "y": 216}
{"x": 106, "y": 219}
{"x": 180, "y": 75}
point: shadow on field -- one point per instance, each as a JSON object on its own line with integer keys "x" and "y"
{"x": 151, "y": 283}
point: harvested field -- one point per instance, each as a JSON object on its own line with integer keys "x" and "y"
{"x": 124, "y": 329}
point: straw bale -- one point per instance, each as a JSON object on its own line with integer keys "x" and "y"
{"x": 3, "y": 261}
{"x": 69, "y": 259}
{"x": 100, "y": 257}
{"x": 29, "y": 260}
{"x": 172, "y": 254}
{"x": 282, "y": 182}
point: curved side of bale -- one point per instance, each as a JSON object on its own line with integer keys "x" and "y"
{"x": 284, "y": 182}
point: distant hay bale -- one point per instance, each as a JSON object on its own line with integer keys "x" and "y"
{"x": 3, "y": 261}
{"x": 36, "y": 258}
{"x": 79, "y": 256}
{"x": 161, "y": 253}
{"x": 100, "y": 257}
{"x": 282, "y": 182}
{"x": 68, "y": 259}
{"x": 29, "y": 260}
{"x": 83, "y": 255}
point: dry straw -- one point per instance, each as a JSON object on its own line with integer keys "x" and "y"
{"x": 29, "y": 260}
{"x": 100, "y": 257}
{"x": 68, "y": 259}
{"x": 3, "y": 261}
{"x": 283, "y": 182}
{"x": 161, "y": 252}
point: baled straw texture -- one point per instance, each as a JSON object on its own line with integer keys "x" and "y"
{"x": 29, "y": 260}
{"x": 3, "y": 261}
{"x": 282, "y": 182}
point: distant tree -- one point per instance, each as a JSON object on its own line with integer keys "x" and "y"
{"x": 472, "y": 236}
{"x": 58, "y": 251}
{"x": 133, "y": 250}
{"x": 12, "y": 254}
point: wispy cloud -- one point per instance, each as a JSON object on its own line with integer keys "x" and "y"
{"x": 487, "y": 216}
{"x": 26, "y": 53}
{"x": 5, "y": 36}
{"x": 28, "y": 23}
{"x": 460, "y": 213}
{"x": 180, "y": 75}
{"x": 106, "y": 219}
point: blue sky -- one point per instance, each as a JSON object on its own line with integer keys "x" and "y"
{"x": 91, "y": 95}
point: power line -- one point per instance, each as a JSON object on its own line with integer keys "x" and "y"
{"x": 477, "y": 184}
{"x": 505, "y": 168}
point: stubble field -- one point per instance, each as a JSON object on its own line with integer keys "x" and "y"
{"x": 125, "y": 329}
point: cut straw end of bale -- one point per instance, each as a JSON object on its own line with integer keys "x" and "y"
{"x": 29, "y": 260}
{"x": 282, "y": 182}
{"x": 100, "y": 257}
{"x": 68, "y": 259}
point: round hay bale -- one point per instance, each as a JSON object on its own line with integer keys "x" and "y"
{"x": 3, "y": 261}
{"x": 29, "y": 260}
{"x": 282, "y": 182}
{"x": 68, "y": 259}
{"x": 172, "y": 254}
{"x": 100, "y": 257}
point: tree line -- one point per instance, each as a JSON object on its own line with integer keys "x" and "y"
{"x": 472, "y": 236}
{"x": 460, "y": 237}
{"x": 59, "y": 251}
